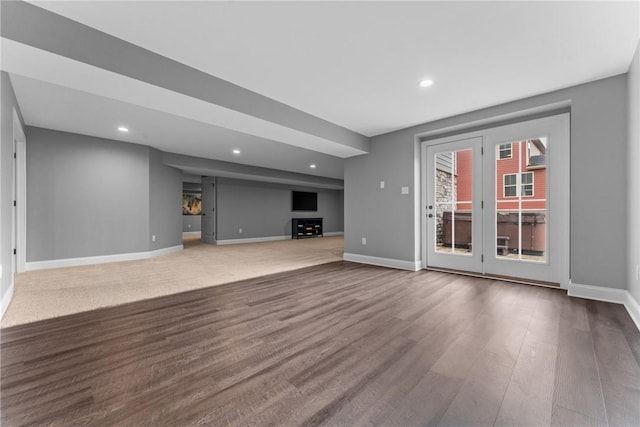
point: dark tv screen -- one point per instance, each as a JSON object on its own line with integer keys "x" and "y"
{"x": 304, "y": 201}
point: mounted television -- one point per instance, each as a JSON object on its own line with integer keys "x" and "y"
{"x": 304, "y": 201}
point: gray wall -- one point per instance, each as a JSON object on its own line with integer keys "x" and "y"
{"x": 191, "y": 223}
{"x": 390, "y": 221}
{"x": 7, "y": 104}
{"x": 89, "y": 196}
{"x": 384, "y": 216}
{"x": 191, "y": 187}
{"x": 264, "y": 209}
{"x": 633, "y": 171}
{"x": 86, "y": 196}
{"x": 165, "y": 203}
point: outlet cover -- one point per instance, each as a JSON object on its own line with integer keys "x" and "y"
{"x": 364, "y": 240}
{"x": 404, "y": 190}
{"x": 153, "y": 238}
{"x": 381, "y": 184}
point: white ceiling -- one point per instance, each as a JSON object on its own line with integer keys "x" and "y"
{"x": 355, "y": 64}
{"x": 48, "y": 106}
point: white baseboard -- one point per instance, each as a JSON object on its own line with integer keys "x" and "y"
{"x": 268, "y": 239}
{"x": 6, "y": 300}
{"x": 633, "y": 308}
{"x": 165, "y": 251}
{"x": 600, "y": 293}
{"x": 384, "y": 262}
{"x": 191, "y": 233}
{"x": 251, "y": 240}
{"x": 74, "y": 262}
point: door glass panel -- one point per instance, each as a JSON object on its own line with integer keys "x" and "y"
{"x": 453, "y": 202}
{"x": 521, "y": 200}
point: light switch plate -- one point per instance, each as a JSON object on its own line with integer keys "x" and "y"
{"x": 381, "y": 184}
{"x": 405, "y": 190}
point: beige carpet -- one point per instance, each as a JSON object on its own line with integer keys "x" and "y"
{"x": 50, "y": 293}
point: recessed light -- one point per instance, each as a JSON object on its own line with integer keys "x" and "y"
{"x": 425, "y": 83}
{"x": 312, "y": 166}
{"x": 236, "y": 152}
{"x": 123, "y": 129}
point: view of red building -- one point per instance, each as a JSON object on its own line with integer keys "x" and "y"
{"x": 521, "y": 197}
{"x": 520, "y": 171}
{"x": 464, "y": 180}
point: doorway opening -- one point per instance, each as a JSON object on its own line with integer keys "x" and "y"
{"x": 191, "y": 210}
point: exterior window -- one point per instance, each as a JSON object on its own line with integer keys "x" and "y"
{"x": 526, "y": 187}
{"x": 505, "y": 151}
{"x": 511, "y": 184}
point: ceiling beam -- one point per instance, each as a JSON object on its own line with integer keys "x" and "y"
{"x": 207, "y": 167}
{"x": 39, "y": 33}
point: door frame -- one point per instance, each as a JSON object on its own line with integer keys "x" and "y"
{"x": 563, "y": 152}
{"x": 209, "y": 201}
{"x": 19, "y": 191}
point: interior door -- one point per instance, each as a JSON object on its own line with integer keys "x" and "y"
{"x": 453, "y": 209}
{"x": 497, "y": 201}
{"x": 209, "y": 210}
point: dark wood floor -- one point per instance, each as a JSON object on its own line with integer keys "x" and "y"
{"x": 337, "y": 344}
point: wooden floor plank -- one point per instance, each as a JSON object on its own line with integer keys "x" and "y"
{"x": 336, "y": 344}
{"x": 479, "y": 399}
{"x": 565, "y": 417}
{"x": 577, "y": 382}
{"x": 618, "y": 369}
{"x": 529, "y": 396}
{"x": 426, "y": 403}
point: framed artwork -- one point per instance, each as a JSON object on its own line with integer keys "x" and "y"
{"x": 191, "y": 204}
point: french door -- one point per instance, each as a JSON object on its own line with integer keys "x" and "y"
{"x": 454, "y": 207}
{"x": 496, "y": 201}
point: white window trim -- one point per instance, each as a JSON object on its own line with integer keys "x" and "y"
{"x": 504, "y": 186}
{"x": 518, "y": 185}
{"x": 510, "y": 151}
{"x": 533, "y": 184}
